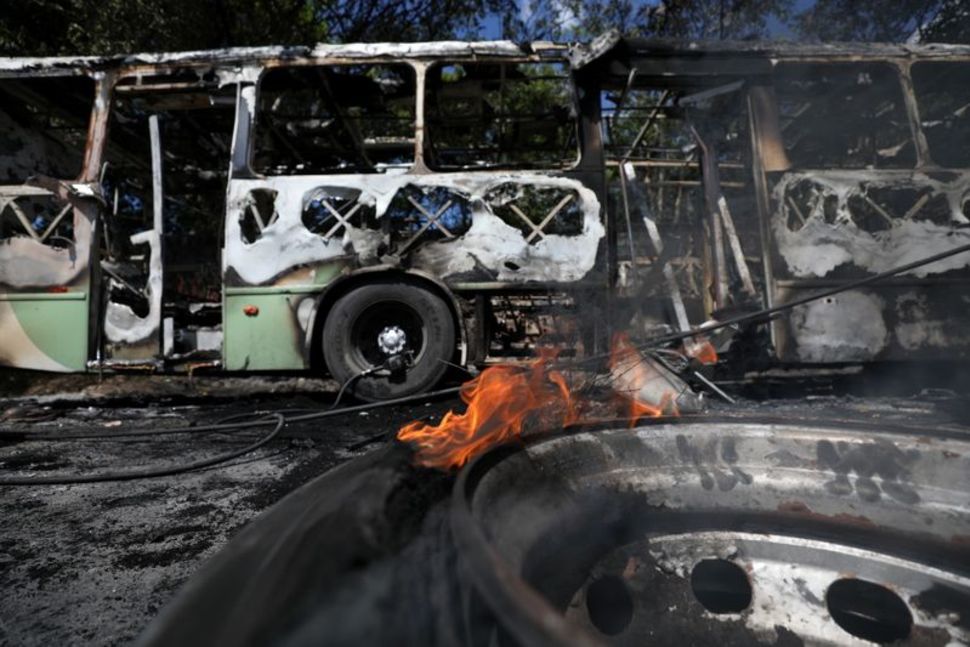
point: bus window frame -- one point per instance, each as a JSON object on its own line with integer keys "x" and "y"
{"x": 577, "y": 125}
{"x": 929, "y": 160}
{"x": 904, "y": 83}
{"x": 252, "y": 116}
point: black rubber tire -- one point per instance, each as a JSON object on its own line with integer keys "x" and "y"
{"x": 344, "y": 350}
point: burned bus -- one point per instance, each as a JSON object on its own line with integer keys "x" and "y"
{"x": 382, "y": 211}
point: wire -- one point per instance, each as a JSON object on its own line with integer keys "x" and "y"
{"x": 221, "y": 425}
{"x": 351, "y": 380}
{"x": 131, "y": 475}
{"x": 766, "y": 312}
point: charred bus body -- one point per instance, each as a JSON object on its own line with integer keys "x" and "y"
{"x": 392, "y": 208}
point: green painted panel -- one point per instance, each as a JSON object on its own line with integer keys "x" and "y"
{"x": 44, "y": 296}
{"x": 271, "y": 289}
{"x": 58, "y": 326}
{"x": 269, "y": 338}
{"x": 325, "y": 274}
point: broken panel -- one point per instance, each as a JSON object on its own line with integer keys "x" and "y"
{"x": 44, "y": 124}
{"x": 537, "y": 212}
{"x": 655, "y": 138}
{"x": 943, "y": 95}
{"x": 424, "y": 214}
{"x": 46, "y": 223}
{"x": 843, "y": 115}
{"x": 841, "y": 224}
{"x": 37, "y": 214}
{"x": 335, "y": 119}
{"x": 500, "y": 115}
{"x": 258, "y": 213}
{"x": 493, "y": 249}
{"x": 334, "y": 211}
{"x": 832, "y": 226}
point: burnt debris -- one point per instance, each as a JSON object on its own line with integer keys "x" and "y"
{"x": 215, "y": 209}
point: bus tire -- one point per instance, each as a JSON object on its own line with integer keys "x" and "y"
{"x": 362, "y": 319}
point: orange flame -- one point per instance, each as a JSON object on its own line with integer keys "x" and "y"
{"x": 500, "y": 401}
{"x": 504, "y": 398}
{"x": 630, "y": 374}
{"x": 701, "y": 350}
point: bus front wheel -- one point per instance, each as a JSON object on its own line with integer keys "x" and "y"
{"x": 392, "y": 338}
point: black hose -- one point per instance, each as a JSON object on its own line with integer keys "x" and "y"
{"x": 130, "y": 475}
{"x": 350, "y": 380}
{"x": 222, "y": 425}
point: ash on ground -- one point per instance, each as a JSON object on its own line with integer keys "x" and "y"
{"x": 91, "y": 564}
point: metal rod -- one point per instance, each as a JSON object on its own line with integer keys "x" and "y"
{"x": 713, "y": 387}
{"x": 766, "y": 312}
{"x": 629, "y": 222}
{"x": 646, "y": 125}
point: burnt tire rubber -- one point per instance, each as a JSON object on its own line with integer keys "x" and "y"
{"x": 351, "y": 331}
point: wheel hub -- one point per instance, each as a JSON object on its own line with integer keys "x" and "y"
{"x": 751, "y": 531}
{"x": 392, "y": 340}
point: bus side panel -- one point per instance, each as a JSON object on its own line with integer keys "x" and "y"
{"x": 47, "y": 225}
{"x": 45, "y": 290}
{"x": 851, "y": 193}
{"x": 265, "y": 328}
{"x": 44, "y": 331}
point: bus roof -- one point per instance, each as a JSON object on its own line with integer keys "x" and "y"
{"x": 607, "y": 47}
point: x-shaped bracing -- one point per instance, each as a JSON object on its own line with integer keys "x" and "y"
{"x": 343, "y": 219}
{"x": 11, "y": 203}
{"x": 539, "y": 230}
{"x": 433, "y": 219}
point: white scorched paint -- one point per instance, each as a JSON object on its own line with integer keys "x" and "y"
{"x": 490, "y": 243}
{"x": 846, "y": 327}
{"x": 819, "y": 247}
{"x": 121, "y": 324}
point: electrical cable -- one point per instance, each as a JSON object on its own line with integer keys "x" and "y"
{"x": 129, "y": 475}
{"x": 222, "y": 426}
{"x": 282, "y": 420}
{"x": 350, "y": 380}
{"x": 767, "y": 312}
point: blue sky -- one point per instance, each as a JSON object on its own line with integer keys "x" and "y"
{"x": 492, "y": 25}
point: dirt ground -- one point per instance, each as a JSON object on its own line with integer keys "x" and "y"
{"x": 91, "y": 564}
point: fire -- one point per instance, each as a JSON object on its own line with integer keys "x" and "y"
{"x": 637, "y": 382}
{"x": 503, "y": 399}
{"x": 500, "y": 402}
{"x": 701, "y": 350}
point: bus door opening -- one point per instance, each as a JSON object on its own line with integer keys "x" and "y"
{"x": 164, "y": 181}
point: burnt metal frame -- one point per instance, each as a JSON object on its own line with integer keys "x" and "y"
{"x": 629, "y": 60}
{"x": 9, "y": 202}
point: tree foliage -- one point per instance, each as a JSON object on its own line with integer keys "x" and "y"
{"x": 407, "y": 20}
{"x": 701, "y": 19}
{"x": 64, "y": 27}
{"x": 886, "y": 21}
